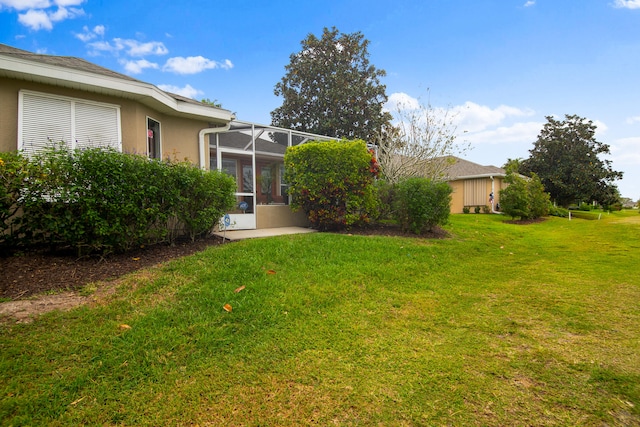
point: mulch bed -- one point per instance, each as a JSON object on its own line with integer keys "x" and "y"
{"x": 25, "y": 274}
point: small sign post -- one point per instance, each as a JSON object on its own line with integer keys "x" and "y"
{"x": 227, "y": 223}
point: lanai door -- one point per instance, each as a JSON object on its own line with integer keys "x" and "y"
{"x": 240, "y": 165}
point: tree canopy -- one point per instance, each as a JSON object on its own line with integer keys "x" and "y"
{"x": 330, "y": 88}
{"x": 565, "y": 157}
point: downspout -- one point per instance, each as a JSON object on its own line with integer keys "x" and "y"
{"x": 202, "y": 143}
{"x": 493, "y": 191}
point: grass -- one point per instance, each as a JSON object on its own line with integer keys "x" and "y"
{"x": 498, "y": 325}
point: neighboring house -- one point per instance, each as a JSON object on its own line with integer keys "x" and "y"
{"x": 47, "y": 100}
{"x": 473, "y": 185}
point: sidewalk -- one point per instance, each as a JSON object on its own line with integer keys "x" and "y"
{"x": 234, "y": 235}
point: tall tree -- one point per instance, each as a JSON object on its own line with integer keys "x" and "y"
{"x": 330, "y": 88}
{"x": 565, "y": 157}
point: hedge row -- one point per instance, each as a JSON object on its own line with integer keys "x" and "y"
{"x": 99, "y": 200}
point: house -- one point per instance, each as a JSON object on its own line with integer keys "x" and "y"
{"x": 473, "y": 185}
{"x": 46, "y": 100}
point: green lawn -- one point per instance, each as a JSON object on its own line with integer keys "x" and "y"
{"x": 498, "y": 325}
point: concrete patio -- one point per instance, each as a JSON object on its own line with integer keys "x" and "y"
{"x": 235, "y": 235}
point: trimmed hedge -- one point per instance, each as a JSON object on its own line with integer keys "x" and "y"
{"x": 99, "y": 200}
{"x": 421, "y": 204}
{"x": 332, "y": 182}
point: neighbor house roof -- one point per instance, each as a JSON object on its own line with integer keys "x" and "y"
{"x": 76, "y": 73}
{"x": 464, "y": 169}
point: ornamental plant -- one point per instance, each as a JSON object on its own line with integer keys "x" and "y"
{"x": 524, "y": 198}
{"x": 14, "y": 170}
{"x": 203, "y": 197}
{"x": 332, "y": 182}
{"x": 98, "y": 200}
{"x": 421, "y": 204}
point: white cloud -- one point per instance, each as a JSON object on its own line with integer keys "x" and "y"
{"x": 25, "y": 4}
{"x": 128, "y": 46}
{"x": 137, "y": 67}
{"x": 187, "y": 91}
{"x": 136, "y": 48}
{"x": 401, "y": 101}
{"x": 522, "y": 132}
{"x": 40, "y": 15}
{"x": 472, "y": 117}
{"x": 36, "y": 20}
{"x": 627, "y": 4}
{"x": 632, "y": 120}
{"x": 194, "y": 64}
{"x": 626, "y": 151}
{"x": 601, "y": 128}
{"x": 38, "y": 4}
{"x": 529, "y": 3}
{"x": 90, "y": 34}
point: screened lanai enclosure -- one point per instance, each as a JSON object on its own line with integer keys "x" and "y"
{"x": 254, "y": 155}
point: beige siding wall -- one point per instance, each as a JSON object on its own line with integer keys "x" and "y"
{"x": 474, "y": 192}
{"x": 179, "y": 135}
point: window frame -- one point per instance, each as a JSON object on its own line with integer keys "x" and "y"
{"x": 158, "y": 143}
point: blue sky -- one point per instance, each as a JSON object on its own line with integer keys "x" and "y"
{"x": 500, "y": 65}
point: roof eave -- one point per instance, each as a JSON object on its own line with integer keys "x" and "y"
{"x": 485, "y": 175}
{"x": 145, "y": 93}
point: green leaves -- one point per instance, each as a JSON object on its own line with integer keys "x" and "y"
{"x": 332, "y": 182}
{"x": 420, "y": 204}
{"x": 565, "y": 157}
{"x": 331, "y": 89}
{"x": 524, "y": 198}
{"x": 101, "y": 200}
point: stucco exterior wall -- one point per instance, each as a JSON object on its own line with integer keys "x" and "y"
{"x": 8, "y": 115}
{"x": 274, "y": 216}
{"x": 179, "y": 136}
{"x": 457, "y": 196}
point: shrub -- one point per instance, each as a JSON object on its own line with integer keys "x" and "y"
{"x": 332, "y": 182}
{"x": 204, "y": 197}
{"x": 466, "y": 209}
{"x": 421, "y": 204}
{"x": 539, "y": 201}
{"x": 103, "y": 200}
{"x": 385, "y": 194}
{"x": 524, "y": 198}
{"x": 558, "y": 211}
{"x": 476, "y": 209}
{"x": 97, "y": 200}
{"x": 14, "y": 171}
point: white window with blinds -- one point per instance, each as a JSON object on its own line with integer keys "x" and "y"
{"x": 46, "y": 120}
